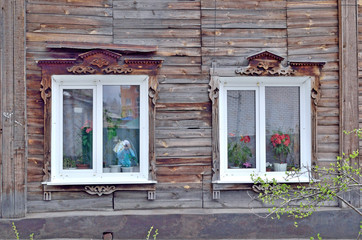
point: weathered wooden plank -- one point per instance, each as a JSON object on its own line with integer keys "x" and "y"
{"x": 180, "y": 179}
{"x": 184, "y": 70}
{"x": 177, "y": 198}
{"x": 33, "y": 8}
{"x": 322, "y": 48}
{"x": 69, "y": 28}
{"x": 328, "y": 148}
{"x": 182, "y": 133}
{"x": 242, "y": 52}
{"x": 328, "y": 138}
{"x": 156, "y": 23}
{"x": 178, "y": 51}
{"x": 250, "y": 4}
{"x": 181, "y": 143}
{"x": 156, "y": 5}
{"x": 185, "y": 161}
{"x": 310, "y": 4}
{"x": 183, "y": 170}
{"x": 186, "y": 115}
{"x": 313, "y": 31}
{"x": 156, "y": 14}
{"x": 93, "y": 3}
{"x": 243, "y": 41}
{"x": 97, "y": 203}
{"x": 68, "y": 19}
{"x": 159, "y": 33}
{"x": 65, "y": 37}
{"x": 256, "y": 15}
{"x": 245, "y": 33}
{"x": 179, "y": 88}
{"x": 184, "y": 152}
{"x": 301, "y": 23}
{"x": 318, "y": 13}
{"x": 240, "y": 23}
{"x": 183, "y": 106}
{"x": 313, "y": 40}
{"x": 165, "y": 42}
{"x": 205, "y": 123}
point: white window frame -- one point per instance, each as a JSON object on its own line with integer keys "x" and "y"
{"x": 258, "y": 84}
{"x": 60, "y": 176}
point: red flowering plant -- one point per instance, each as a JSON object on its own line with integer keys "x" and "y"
{"x": 239, "y": 152}
{"x": 281, "y": 145}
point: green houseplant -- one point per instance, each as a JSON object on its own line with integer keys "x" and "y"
{"x": 239, "y": 152}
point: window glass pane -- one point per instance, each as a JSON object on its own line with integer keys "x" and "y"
{"x": 121, "y": 128}
{"x": 241, "y": 127}
{"x": 282, "y": 127}
{"x": 77, "y": 129}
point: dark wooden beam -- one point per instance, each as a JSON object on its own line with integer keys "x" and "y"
{"x": 348, "y": 80}
{"x": 12, "y": 109}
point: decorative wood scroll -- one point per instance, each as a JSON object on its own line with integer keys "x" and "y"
{"x": 99, "y": 190}
{"x": 261, "y": 64}
{"x": 101, "y": 62}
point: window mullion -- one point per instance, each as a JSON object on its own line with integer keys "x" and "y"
{"x": 261, "y": 135}
{"x": 98, "y": 125}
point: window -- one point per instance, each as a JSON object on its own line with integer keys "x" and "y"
{"x": 95, "y": 137}
{"x": 264, "y": 126}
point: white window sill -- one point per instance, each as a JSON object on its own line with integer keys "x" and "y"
{"x": 279, "y": 177}
{"x": 87, "y": 182}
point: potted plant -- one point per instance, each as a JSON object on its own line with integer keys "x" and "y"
{"x": 87, "y": 145}
{"x": 106, "y": 168}
{"x": 115, "y": 167}
{"x": 68, "y": 163}
{"x": 239, "y": 152}
{"x": 269, "y": 167}
{"x": 281, "y": 147}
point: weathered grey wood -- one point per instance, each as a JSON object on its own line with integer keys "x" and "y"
{"x": 349, "y": 83}
{"x": 13, "y": 109}
{"x": 96, "y": 203}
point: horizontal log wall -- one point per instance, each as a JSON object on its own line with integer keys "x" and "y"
{"x": 190, "y": 35}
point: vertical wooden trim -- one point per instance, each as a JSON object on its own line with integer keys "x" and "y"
{"x": 13, "y": 109}
{"x": 348, "y": 79}
{"x": 20, "y": 109}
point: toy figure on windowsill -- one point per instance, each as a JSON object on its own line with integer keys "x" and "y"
{"x": 125, "y": 154}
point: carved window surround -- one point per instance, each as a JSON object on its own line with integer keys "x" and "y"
{"x": 99, "y": 62}
{"x": 261, "y": 64}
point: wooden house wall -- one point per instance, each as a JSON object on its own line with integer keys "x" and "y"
{"x": 190, "y": 34}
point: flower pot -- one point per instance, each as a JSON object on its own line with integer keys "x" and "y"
{"x": 82, "y": 166}
{"x": 106, "y": 169}
{"x": 115, "y": 168}
{"x": 127, "y": 169}
{"x": 280, "y": 167}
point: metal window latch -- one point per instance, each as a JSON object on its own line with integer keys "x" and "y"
{"x": 151, "y": 195}
{"x": 215, "y": 195}
{"x": 47, "y": 196}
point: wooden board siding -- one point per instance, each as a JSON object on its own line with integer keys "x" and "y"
{"x": 312, "y": 29}
{"x": 190, "y": 35}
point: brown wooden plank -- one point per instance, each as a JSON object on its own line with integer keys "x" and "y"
{"x": 93, "y": 3}
{"x": 69, "y": 28}
{"x": 184, "y": 152}
{"x": 66, "y": 19}
{"x": 182, "y": 133}
{"x": 32, "y": 8}
{"x": 185, "y": 161}
{"x": 65, "y": 37}
{"x": 181, "y": 143}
